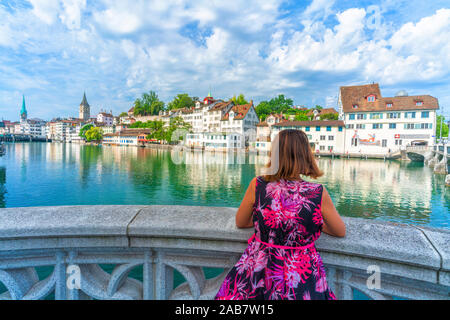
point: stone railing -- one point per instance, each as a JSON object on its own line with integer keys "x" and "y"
{"x": 74, "y": 242}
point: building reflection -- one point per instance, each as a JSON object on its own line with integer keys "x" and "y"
{"x": 2, "y": 187}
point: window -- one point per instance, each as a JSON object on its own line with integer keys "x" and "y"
{"x": 376, "y": 116}
{"x": 392, "y": 125}
{"x": 410, "y": 115}
{"x": 384, "y": 143}
{"x": 323, "y": 137}
{"x": 340, "y": 129}
{"x": 318, "y": 128}
{"x": 425, "y": 114}
{"x": 350, "y": 126}
{"x": 361, "y": 116}
{"x": 322, "y": 148}
{"x": 393, "y": 115}
{"x": 351, "y": 117}
{"x": 419, "y": 103}
{"x": 388, "y": 105}
{"x": 377, "y": 126}
{"x": 360, "y": 126}
{"x": 330, "y": 148}
{"x": 328, "y": 128}
{"x": 306, "y": 128}
{"x": 371, "y": 98}
{"x": 330, "y": 138}
{"x": 408, "y": 126}
{"x": 355, "y": 106}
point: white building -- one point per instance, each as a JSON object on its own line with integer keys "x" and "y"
{"x": 217, "y": 141}
{"x": 106, "y": 119}
{"x": 240, "y": 119}
{"x": 128, "y": 137}
{"x": 325, "y": 136}
{"x": 377, "y": 125}
{"x": 32, "y": 127}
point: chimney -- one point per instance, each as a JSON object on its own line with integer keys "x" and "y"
{"x": 251, "y": 102}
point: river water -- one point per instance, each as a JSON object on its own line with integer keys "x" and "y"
{"x": 51, "y": 174}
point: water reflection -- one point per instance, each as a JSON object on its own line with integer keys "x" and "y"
{"x": 70, "y": 174}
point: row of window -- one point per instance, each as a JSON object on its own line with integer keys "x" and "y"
{"x": 372, "y": 98}
{"x": 318, "y": 128}
{"x": 389, "y": 115}
{"x": 391, "y": 126}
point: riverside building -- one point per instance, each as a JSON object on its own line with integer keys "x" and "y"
{"x": 377, "y": 125}
{"x": 325, "y": 136}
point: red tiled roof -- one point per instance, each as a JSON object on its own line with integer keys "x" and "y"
{"x": 357, "y": 95}
{"x": 262, "y": 124}
{"x": 240, "y": 111}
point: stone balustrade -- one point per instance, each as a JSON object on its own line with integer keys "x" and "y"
{"x": 72, "y": 241}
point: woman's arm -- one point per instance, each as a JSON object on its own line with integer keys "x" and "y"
{"x": 244, "y": 218}
{"x": 332, "y": 222}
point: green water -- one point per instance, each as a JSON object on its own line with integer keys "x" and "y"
{"x": 51, "y": 174}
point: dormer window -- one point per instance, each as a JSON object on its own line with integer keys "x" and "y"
{"x": 389, "y": 105}
{"x": 419, "y": 103}
{"x": 355, "y": 106}
{"x": 371, "y": 98}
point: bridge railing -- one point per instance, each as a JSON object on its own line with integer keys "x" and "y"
{"x": 75, "y": 243}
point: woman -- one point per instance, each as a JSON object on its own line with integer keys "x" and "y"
{"x": 288, "y": 213}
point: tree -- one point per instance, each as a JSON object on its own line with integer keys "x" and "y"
{"x": 445, "y": 128}
{"x": 239, "y": 100}
{"x": 94, "y": 134}
{"x": 123, "y": 114}
{"x": 85, "y": 128}
{"x": 279, "y": 104}
{"x": 149, "y": 104}
{"x": 181, "y": 100}
{"x": 329, "y": 116}
{"x": 302, "y": 117}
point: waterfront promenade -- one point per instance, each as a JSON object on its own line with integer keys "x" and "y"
{"x": 413, "y": 261}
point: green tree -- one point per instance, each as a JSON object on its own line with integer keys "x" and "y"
{"x": 85, "y": 128}
{"x": 329, "y": 116}
{"x": 181, "y": 100}
{"x": 148, "y": 104}
{"x": 302, "y": 117}
{"x": 94, "y": 134}
{"x": 123, "y": 114}
{"x": 239, "y": 100}
{"x": 280, "y": 104}
{"x": 438, "y": 127}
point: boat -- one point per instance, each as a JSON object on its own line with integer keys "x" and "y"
{"x": 2, "y": 149}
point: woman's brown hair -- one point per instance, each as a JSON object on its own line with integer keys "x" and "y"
{"x": 291, "y": 156}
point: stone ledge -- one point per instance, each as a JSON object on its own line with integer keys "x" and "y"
{"x": 211, "y": 228}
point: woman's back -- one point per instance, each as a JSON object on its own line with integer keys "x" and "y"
{"x": 287, "y": 212}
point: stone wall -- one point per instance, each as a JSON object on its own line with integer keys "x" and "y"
{"x": 414, "y": 261}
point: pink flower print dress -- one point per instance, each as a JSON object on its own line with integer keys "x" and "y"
{"x": 281, "y": 261}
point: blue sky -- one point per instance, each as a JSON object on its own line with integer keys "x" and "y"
{"x": 52, "y": 51}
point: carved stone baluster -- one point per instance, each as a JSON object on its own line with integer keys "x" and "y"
{"x": 163, "y": 278}
{"x": 147, "y": 277}
{"x": 60, "y": 272}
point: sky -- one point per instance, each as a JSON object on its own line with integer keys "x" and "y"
{"x": 52, "y": 51}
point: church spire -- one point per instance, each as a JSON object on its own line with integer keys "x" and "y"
{"x": 84, "y": 101}
{"x": 23, "y": 111}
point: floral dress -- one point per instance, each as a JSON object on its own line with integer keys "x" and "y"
{"x": 281, "y": 261}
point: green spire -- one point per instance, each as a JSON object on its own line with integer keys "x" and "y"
{"x": 209, "y": 93}
{"x": 23, "y": 111}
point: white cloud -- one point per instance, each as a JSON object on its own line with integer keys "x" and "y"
{"x": 119, "y": 49}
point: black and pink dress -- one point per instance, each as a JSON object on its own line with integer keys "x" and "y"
{"x": 281, "y": 261}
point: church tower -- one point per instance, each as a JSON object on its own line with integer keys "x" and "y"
{"x": 23, "y": 111}
{"x": 85, "y": 109}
